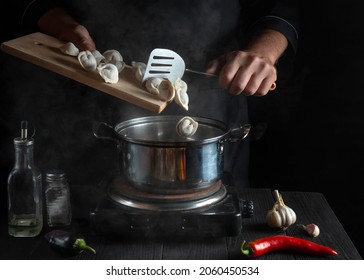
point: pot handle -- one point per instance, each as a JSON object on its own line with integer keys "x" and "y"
{"x": 238, "y": 133}
{"x": 104, "y": 131}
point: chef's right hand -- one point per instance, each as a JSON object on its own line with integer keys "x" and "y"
{"x": 244, "y": 72}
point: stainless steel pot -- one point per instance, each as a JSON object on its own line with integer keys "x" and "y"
{"x": 155, "y": 158}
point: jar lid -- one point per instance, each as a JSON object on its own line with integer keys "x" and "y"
{"x": 55, "y": 174}
{"x": 23, "y": 142}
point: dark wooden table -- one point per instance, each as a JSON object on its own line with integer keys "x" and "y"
{"x": 310, "y": 207}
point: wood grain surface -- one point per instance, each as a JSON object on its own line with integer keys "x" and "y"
{"x": 310, "y": 207}
{"x": 43, "y": 50}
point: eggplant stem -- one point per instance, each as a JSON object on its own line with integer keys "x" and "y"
{"x": 80, "y": 245}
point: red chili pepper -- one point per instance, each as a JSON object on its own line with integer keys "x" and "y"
{"x": 265, "y": 245}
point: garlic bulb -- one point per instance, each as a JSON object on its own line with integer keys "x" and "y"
{"x": 87, "y": 60}
{"x": 312, "y": 229}
{"x": 70, "y": 49}
{"x": 280, "y": 216}
{"x": 108, "y": 72}
{"x": 186, "y": 127}
{"x": 181, "y": 97}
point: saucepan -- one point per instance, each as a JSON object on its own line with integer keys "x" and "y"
{"x": 153, "y": 157}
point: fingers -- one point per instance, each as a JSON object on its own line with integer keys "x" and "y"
{"x": 80, "y": 36}
{"x": 83, "y": 39}
{"x": 245, "y": 73}
{"x": 216, "y": 65}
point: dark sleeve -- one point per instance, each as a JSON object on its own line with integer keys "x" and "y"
{"x": 22, "y": 16}
{"x": 33, "y": 10}
{"x": 282, "y": 16}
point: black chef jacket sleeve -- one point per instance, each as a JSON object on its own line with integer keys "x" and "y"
{"x": 283, "y": 17}
{"x": 22, "y": 16}
{"x": 32, "y": 10}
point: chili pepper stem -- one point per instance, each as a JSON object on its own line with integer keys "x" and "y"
{"x": 80, "y": 245}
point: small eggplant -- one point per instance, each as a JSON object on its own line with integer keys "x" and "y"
{"x": 66, "y": 242}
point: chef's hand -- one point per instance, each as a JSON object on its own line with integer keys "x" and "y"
{"x": 251, "y": 71}
{"x": 244, "y": 72}
{"x": 79, "y": 36}
{"x": 58, "y": 23}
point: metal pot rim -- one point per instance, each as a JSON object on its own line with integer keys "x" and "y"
{"x": 162, "y": 131}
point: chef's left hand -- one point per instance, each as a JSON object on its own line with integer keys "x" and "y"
{"x": 244, "y": 72}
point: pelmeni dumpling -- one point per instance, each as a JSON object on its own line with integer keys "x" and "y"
{"x": 139, "y": 70}
{"x": 161, "y": 87}
{"x": 181, "y": 97}
{"x": 186, "y": 127}
{"x": 114, "y": 57}
{"x": 109, "y": 72}
{"x": 70, "y": 49}
{"x": 152, "y": 85}
{"x": 98, "y": 56}
{"x": 87, "y": 60}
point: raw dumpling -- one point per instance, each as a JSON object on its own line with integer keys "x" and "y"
{"x": 186, "y": 127}
{"x": 87, "y": 60}
{"x": 181, "y": 97}
{"x": 70, "y": 49}
{"x": 163, "y": 88}
{"x": 139, "y": 70}
{"x": 114, "y": 57}
{"x": 152, "y": 85}
{"x": 98, "y": 56}
{"x": 108, "y": 72}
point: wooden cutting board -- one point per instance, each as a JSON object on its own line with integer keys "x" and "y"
{"x": 43, "y": 50}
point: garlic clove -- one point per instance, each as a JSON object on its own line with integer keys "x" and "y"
{"x": 274, "y": 219}
{"x": 312, "y": 229}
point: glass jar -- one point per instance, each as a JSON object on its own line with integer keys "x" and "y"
{"x": 57, "y": 199}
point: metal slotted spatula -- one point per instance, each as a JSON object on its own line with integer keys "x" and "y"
{"x": 164, "y": 63}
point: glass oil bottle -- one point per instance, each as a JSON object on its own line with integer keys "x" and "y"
{"x": 25, "y": 218}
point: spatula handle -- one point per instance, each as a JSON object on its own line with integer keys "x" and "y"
{"x": 201, "y": 73}
{"x": 272, "y": 87}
